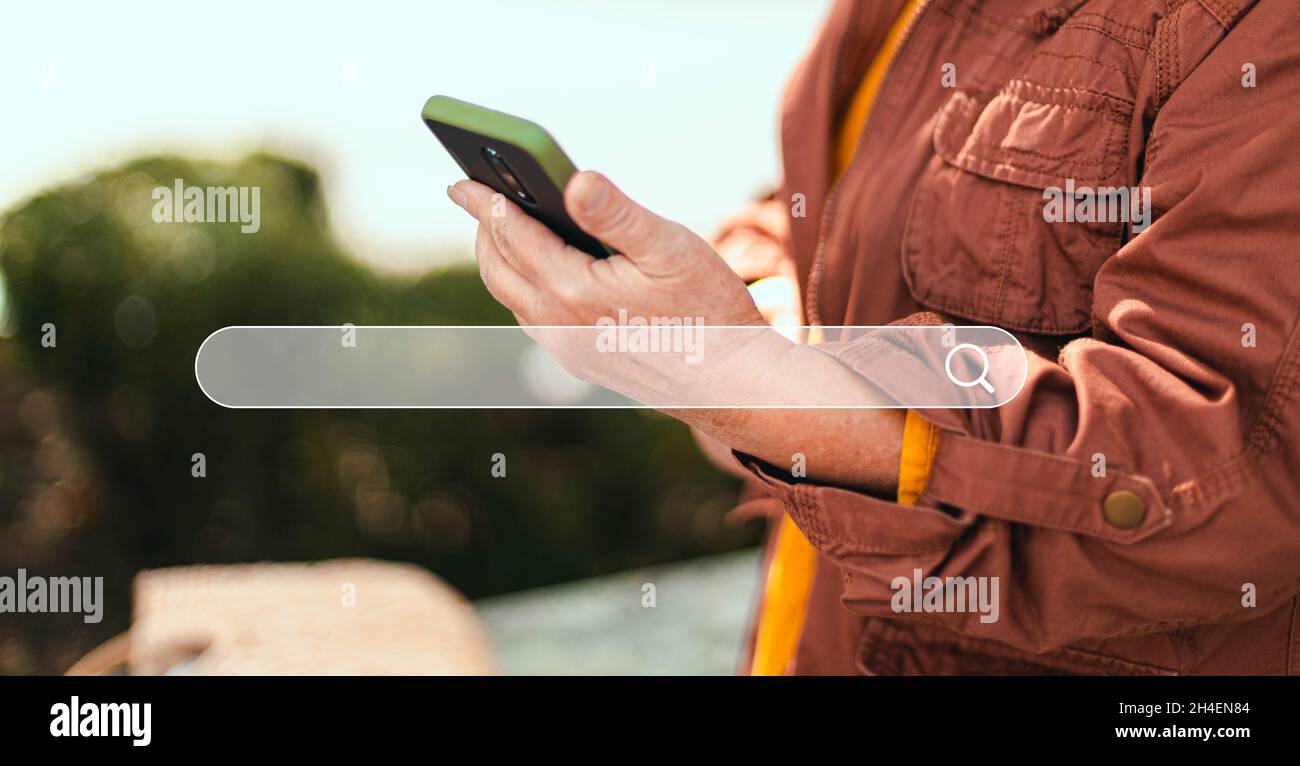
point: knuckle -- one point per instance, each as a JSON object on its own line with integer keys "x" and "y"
{"x": 567, "y": 290}
{"x": 618, "y": 217}
{"x": 489, "y": 276}
{"x": 502, "y": 235}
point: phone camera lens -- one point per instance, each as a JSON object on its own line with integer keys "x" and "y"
{"x": 507, "y": 176}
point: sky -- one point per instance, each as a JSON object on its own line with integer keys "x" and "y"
{"x": 676, "y": 100}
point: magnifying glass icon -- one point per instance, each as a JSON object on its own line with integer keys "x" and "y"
{"x": 981, "y": 379}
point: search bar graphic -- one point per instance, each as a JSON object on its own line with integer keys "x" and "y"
{"x": 657, "y": 363}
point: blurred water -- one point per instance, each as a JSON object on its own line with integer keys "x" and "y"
{"x": 600, "y": 626}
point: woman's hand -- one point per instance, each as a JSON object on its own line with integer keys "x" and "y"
{"x": 663, "y": 273}
{"x": 663, "y": 268}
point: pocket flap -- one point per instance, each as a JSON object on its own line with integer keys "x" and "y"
{"x": 977, "y": 243}
{"x": 1035, "y": 135}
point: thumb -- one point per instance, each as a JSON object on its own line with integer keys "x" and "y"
{"x": 607, "y": 214}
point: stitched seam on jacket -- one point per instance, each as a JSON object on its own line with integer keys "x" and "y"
{"x": 1101, "y": 660}
{"x": 1065, "y": 158}
{"x": 1167, "y": 40}
{"x": 972, "y": 309}
{"x": 1264, "y": 435}
{"x": 1069, "y": 659}
{"x": 800, "y": 516}
{"x": 1010, "y": 233}
{"x": 988, "y": 166}
{"x": 1106, "y": 33}
{"x": 1178, "y": 56}
{"x": 1067, "y": 89}
{"x": 837, "y": 64}
{"x": 1043, "y": 327}
{"x": 1128, "y": 75}
{"x": 1262, "y": 439}
{"x": 814, "y": 510}
{"x": 1159, "y": 51}
{"x": 1139, "y": 31}
{"x": 1221, "y": 14}
{"x": 980, "y": 166}
{"x": 1158, "y": 627}
{"x": 1087, "y": 525}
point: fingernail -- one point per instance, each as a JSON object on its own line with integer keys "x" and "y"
{"x": 593, "y": 197}
{"x": 456, "y": 196}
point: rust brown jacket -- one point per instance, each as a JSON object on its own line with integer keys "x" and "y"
{"x": 1172, "y": 352}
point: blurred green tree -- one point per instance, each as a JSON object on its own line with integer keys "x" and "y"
{"x": 97, "y": 434}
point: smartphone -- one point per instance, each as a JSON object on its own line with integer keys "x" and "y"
{"x": 513, "y": 156}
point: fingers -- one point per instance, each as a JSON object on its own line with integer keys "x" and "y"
{"x": 609, "y": 215}
{"x": 525, "y": 244}
{"x": 503, "y": 282}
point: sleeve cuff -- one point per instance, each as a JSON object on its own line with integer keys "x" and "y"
{"x": 847, "y": 525}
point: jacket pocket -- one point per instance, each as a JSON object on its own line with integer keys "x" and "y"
{"x": 976, "y": 243}
{"x": 905, "y": 647}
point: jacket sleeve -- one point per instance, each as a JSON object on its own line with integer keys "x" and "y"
{"x": 1148, "y": 477}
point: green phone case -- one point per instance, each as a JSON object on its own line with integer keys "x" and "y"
{"x": 495, "y": 148}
